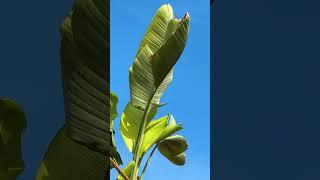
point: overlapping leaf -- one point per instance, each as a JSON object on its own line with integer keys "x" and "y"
{"x": 84, "y": 53}
{"x": 156, "y": 32}
{"x": 149, "y": 76}
{"x": 130, "y": 123}
{"x": 81, "y": 149}
{"x": 12, "y": 124}
{"x": 159, "y": 51}
{"x": 173, "y": 148}
{"x": 156, "y": 130}
{"x": 66, "y": 159}
{"x": 113, "y": 114}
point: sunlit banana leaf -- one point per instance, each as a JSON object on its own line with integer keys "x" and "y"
{"x": 130, "y": 123}
{"x": 152, "y": 72}
{"x": 12, "y": 124}
{"x": 156, "y": 130}
{"x": 173, "y": 148}
{"x": 156, "y": 32}
{"x": 159, "y": 51}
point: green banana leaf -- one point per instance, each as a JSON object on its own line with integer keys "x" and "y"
{"x": 159, "y": 51}
{"x": 66, "y": 160}
{"x": 155, "y": 34}
{"x": 173, "y": 148}
{"x": 113, "y": 115}
{"x": 130, "y": 122}
{"x": 82, "y": 148}
{"x": 149, "y": 76}
{"x": 156, "y": 130}
{"x": 12, "y": 125}
{"x": 85, "y": 71}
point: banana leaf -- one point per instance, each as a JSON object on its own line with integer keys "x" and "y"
{"x": 82, "y": 148}
{"x": 66, "y": 159}
{"x": 12, "y": 125}
{"x": 85, "y": 73}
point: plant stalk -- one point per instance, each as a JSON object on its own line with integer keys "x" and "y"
{"x": 148, "y": 160}
{"x": 138, "y": 144}
{"x": 114, "y": 164}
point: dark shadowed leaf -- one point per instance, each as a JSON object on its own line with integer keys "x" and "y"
{"x": 82, "y": 147}
{"x": 66, "y": 160}
{"x": 113, "y": 114}
{"x": 12, "y": 124}
{"x": 85, "y": 70}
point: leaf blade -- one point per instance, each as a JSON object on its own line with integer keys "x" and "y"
{"x": 173, "y": 148}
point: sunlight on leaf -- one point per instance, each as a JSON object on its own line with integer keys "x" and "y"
{"x": 160, "y": 49}
{"x": 130, "y": 123}
{"x": 149, "y": 76}
{"x": 158, "y": 130}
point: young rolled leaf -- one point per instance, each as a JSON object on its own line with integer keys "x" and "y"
{"x": 173, "y": 148}
{"x": 12, "y": 125}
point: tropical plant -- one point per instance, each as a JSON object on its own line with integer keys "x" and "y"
{"x": 84, "y": 142}
{"x": 82, "y": 147}
{"x": 149, "y": 76}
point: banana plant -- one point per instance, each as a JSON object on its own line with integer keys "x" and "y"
{"x": 84, "y": 142}
{"x": 82, "y": 147}
{"x": 149, "y": 76}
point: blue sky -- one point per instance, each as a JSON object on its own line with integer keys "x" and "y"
{"x": 188, "y": 95}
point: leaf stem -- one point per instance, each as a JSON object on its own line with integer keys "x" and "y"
{"x": 114, "y": 164}
{"x": 138, "y": 144}
{"x": 148, "y": 160}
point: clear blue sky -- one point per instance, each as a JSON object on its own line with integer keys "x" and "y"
{"x": 187, "y": 96}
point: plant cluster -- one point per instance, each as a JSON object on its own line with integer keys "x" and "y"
{"x": 149, "y": 76}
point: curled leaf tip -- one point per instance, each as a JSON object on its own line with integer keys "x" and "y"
{"x": 186, "y": 16}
